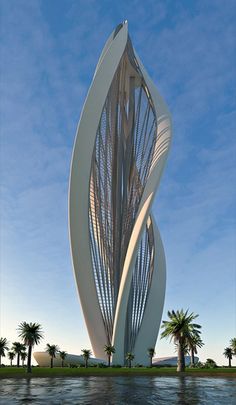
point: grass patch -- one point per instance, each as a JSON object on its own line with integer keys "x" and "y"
{"x": 14, "y": 372}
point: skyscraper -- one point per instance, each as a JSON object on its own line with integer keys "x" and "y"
{"x": 119, "y": 155}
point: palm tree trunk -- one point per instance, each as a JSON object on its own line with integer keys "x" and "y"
{"x": 29, "y": 359}
{"x": 192, "y": 357}
{"x": 62, "y": 363}
{"x": 51, "y": 362}
{"x": 86, "y": 363}
{"x": 150, "y": 361}
{"x": 0, "y": 361}
{"x": 18, "y": 359}
{"x": 11, "y": 363}
{"x": 181, "y": 359}
{"x": 109, "y": 361}
{"x": 229, "y": 361}
{"x": 129, "y": 363}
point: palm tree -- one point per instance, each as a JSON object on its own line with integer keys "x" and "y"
{"x": 180, "y": 328}
{"x": 18, "y": 348}
{"x": 194, "y": 342}
{"x": 185, "y": 349}
{"x": 31, "y": 334}
{"x": 151, "y": 353}
{"x": 62, "y": 356}
{"x": 129, "y": 357}
{"x": 233, "y": 345}
{"x": 228, "y": 353}
{"x": 23, "y": 357}
{"x": 11, "y": 356}
{"x": 86, "y": 355}
{"x": 52, "y": 351}
{"x": 109, "y": 350}
{"x": 3, "y": 347}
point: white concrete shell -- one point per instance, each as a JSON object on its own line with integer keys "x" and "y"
{"x": 172, "y": 361}
{"x": 44, "y": 360}
{"x": 79, "y": 190}
{"x": 148, "y": 332}
{"x": 118, "y": 54}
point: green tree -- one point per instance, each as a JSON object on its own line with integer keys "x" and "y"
{"x": 3, "y": 348}
{"x": 151, "y": 354}
{"x": 18, "y": 348}
{"x": 62, "y": 356}
{"x": 179, "y": 329}
{"x": 130, "y": 358}
{"x": 86, "y": 355}
{"x": 194, "y": 342}
{"x": 23, "y": 357}
{"x": 228, "y": 353}
{"x": 233, "y": 345}
{"x": 11, "y": 356}
{"x": 185, "y": 349}
{"x": 52, "y": 351}
{"x": 31, "y": 334}
{"x": 109, "y": 350}
{"x": 210, "y": 363}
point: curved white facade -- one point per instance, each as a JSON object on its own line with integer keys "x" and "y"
{"x": 172, "y": 361}
{"x": 44, "y": 360}
{"x": 119, "y": 155}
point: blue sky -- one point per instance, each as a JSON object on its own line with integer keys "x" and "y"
{"x": 48, "y": 55}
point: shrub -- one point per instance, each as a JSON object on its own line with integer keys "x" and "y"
{"x": 199, "y": 365}
{"x": 210, "y": 363}
{"x": 101, "y": 365}
{"x": 116, "y": 366}
{"x": 73, "y": 366}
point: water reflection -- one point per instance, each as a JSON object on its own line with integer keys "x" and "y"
{"x": 119, "y": 391}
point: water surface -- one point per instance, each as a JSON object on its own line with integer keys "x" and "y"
{"x": 119, "y": 391}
